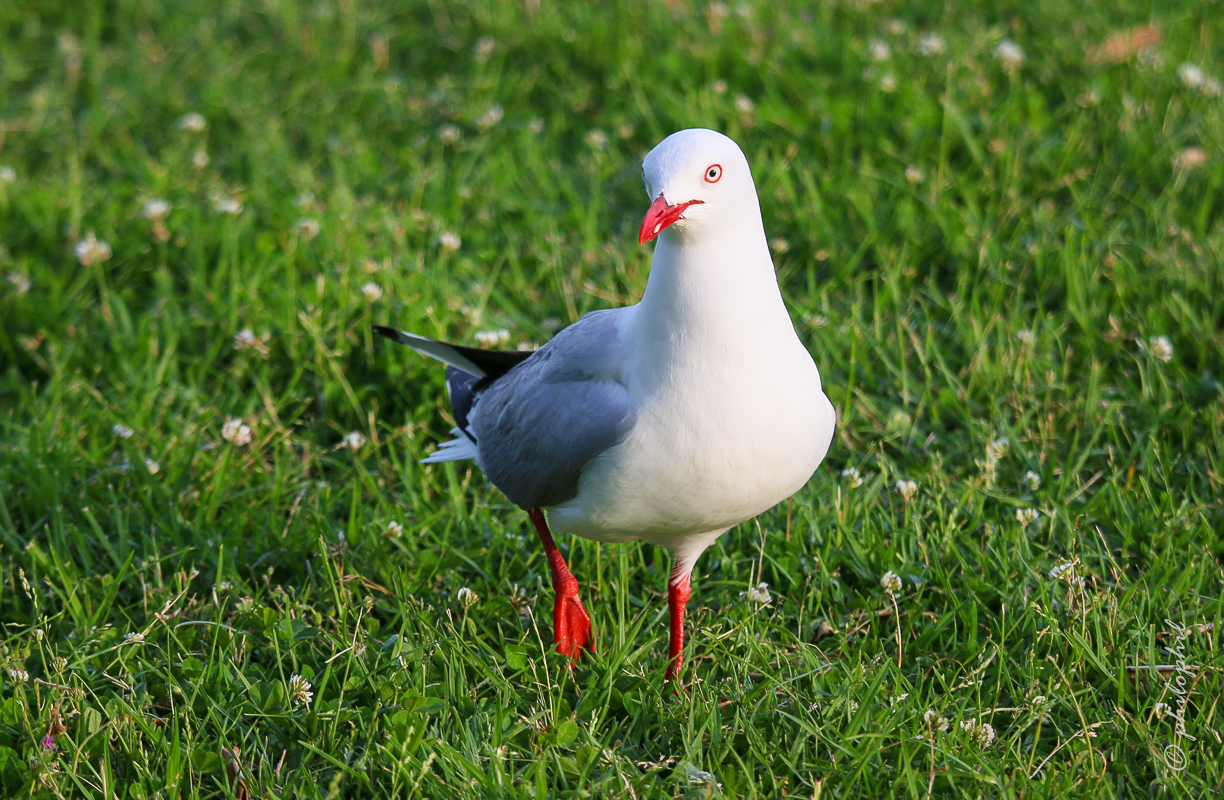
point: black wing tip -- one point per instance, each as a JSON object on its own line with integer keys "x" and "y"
{"x": 383, "y": 330}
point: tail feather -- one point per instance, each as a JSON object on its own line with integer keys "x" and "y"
{"x": 463, "y": 389}
{"x": 461, "y": 448}
{"x": 446, "y": 353}
{"x": 490, "y": 364}
{"x": 469, "y": 370}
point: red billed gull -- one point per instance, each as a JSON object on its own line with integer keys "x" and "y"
{"x": 668, "y": 421}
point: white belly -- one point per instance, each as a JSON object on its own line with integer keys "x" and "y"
{"x": 706, "y": 453}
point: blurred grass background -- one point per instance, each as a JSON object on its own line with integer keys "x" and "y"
{"x": 998, "y": 228}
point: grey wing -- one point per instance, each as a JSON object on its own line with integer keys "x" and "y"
{"x": 539, "y": 425}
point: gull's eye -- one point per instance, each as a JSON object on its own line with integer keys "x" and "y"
{"x": 713, "y": 173}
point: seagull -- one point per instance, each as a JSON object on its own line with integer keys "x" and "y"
{"x": 669, "y": 421}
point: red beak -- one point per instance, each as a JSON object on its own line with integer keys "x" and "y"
{"x": 659, "y": 216}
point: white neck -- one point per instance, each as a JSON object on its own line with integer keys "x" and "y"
{"x": 717, "y": 291}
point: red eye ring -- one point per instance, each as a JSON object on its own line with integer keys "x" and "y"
{"x": 713, "y": 173}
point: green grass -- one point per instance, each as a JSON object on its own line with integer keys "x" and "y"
{"x": 1048, "y": 202}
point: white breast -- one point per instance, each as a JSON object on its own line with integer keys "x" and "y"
{"x": 717, "y": 441}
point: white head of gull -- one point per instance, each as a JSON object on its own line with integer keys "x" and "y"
{"x": 669, "y": 421}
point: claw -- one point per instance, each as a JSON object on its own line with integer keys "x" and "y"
{"x": 571, "y": 626}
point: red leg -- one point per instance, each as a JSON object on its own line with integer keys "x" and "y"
{"x": 678, "y": 592}
{"x": 571, "y": 624}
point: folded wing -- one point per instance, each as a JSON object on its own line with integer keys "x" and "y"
{"x": 532, "y": 421}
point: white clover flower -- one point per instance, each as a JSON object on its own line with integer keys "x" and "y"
{"x": 907, "y": 489}
{"x": 759, "y": 594}
{"x": 7, "y": 174}
{"x": 492, "y": 115}
{"x": 466, "y": 597}
{"x": 192, "y": 122}
{"x": 304, "y": 201}
{"x": 1189, "y": 158}
{"x": 371, "y": 291}
{"x": 122, "y": 431}
{"x": 999, "y": 446}
{"x": 236, "y": 432}
{"x": 1162, "y": 710}
{"x": 246, "y": 339}
{"x": 1026, "y": 336}
{"x": 818, "y": 321}
{"x": 596, "y": 139}
{"x": 18, "y": 674}
{"x": 891, "y": 582}
{"x": 354, "y": 440}
{"x": 449, "y": 241}
{"x": 156, "y": 209}
{"x": 536, "y": 126}
{"x": 1090, "y": 98}
{"x": 779, "y": 245}
{"x": 744, "y": 104}
{"x": 852, "y": 478}
{"x": 152, "y": 466}
{"x": 1009, "y": 55}
{"x": 299, "y": 690}
{"x": 938, "y": 722}
{"x": 224, "y": 204}
{"x": 888, "y": 83}
{"x": 1160, "y": 347}
{"x": 395, "y": 529}
{"x": 92, "y": 250}
{"x": 981, "y": 733}
{"x": 133, "y": 638}
{"x": 1026, "y": 517}
{"x": 200, "y": 159}
{"x": 878, "y": 50}
{"x": 1063, "y": 572}
{"x": 449, "y": 134}
{"x": 492, "y": 338}
{"x": 914, "y": 175}
{"x": 307, "y": 228}
{"x": 1033, "y": 480}
{"x": 932, "y": 44}
{"x": 1192, "y": 76}
{"x": 894, "y": 26}
{"x": 483, "y": 49}
{"x": 1150, "y": 59}
{"x": 718, "y": 86}
{"x": 20, "y": 283}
